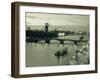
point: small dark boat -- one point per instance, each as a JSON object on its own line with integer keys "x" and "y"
{"x": 61, "y": 53}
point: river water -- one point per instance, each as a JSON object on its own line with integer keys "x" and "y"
{"x": 43, "y": 54}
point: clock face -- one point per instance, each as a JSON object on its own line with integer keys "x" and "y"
{"x": 46, "y": 24}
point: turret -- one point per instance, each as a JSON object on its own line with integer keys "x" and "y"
{"x": 46, "y": 27}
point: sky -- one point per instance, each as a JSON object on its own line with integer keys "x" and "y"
{"x": 66, "y": 21}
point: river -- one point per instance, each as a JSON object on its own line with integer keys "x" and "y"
{"x": 43, "y": 54}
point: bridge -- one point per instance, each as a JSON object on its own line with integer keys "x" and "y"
{"x": 36, "y": 36}
{"x": 47, "y": 40}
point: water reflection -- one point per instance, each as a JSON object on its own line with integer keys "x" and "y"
{"x": 43, "y": 54}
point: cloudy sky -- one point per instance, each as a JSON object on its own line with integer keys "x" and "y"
{"x": 66, "y": 21}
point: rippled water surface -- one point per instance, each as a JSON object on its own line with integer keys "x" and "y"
{"x": 43, "y": 54}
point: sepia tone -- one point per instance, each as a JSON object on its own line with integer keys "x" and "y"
{"x": 38, "y": 48}
{"x": 56, "y": 39}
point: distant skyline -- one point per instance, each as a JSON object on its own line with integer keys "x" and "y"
{"x": 66, "y": 21}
